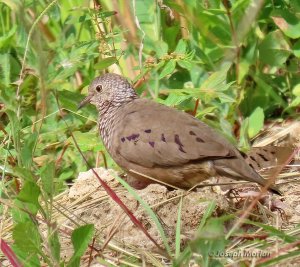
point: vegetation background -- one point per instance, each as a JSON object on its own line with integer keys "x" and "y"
{"x": 233, "y": 64}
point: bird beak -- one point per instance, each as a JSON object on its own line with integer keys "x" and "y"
{"x": 85, "y": 101}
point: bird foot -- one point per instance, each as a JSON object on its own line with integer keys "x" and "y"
{"x": 135, "y": 183}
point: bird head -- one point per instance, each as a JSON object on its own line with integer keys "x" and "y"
{"x": 109, "y": 90}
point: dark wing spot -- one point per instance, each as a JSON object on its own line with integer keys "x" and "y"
{"x": 254, "y": 161}
{"x": 266, "y": 150}
{"x": 123, "y": 139}
{"x": 244, "y": 155}
{"x": 163, "y": 138}
{"x": 231, "y": 154}
{"x": 181, "y": 149}
{"x": 151, "y": 143}
{"x": 148, "y": 131}
{"x": 132, "y": 137}
{"x": 198, "y": 139}
{"x": 192, "y": 133}
{"x": 262, "y": 157}
{"x": 178, "y": 142}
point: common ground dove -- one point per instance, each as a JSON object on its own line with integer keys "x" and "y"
{"x": 148, "y": 139}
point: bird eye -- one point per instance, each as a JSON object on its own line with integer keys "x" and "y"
{"x": 99, "y": 88}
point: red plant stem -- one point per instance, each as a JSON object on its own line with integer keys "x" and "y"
{"x": 196, "y": 107}
{"x": 10, "y": 255}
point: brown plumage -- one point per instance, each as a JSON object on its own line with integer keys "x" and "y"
{"x": 168, "y": 145}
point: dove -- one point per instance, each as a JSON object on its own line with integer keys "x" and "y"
{"x": 150, "y": 140}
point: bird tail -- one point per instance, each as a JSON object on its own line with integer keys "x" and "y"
{"x": 243, "y": 172}
{"x": 274, "y": 189}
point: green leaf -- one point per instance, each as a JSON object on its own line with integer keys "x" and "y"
{"x": 186, "y": 64}
{"x": 15, "y": 128}
{"x": 168, "y": 69}
{"x": 244, "y": 141}
{"x": 208, "y": 212}
{"x": 171, "y": 36}
{"x": 274, "y": 50}
{"x": 69, "y": 100}
{"x": 23, "y": 173}
{"x": 5, "y": 63}
{"x": 210, "y": 239}
{"x": 80, "y": 240}
{"x": 47, "y": 177}
{"x": 181, "y": 47}
{"x": 30, "y": 193}
{"x": 161, "y": 48}
{"x": 105, "y": 63}
{"x": 178, "y": 230}
{"x": 88, "y": 141}
{"x": 67, "y": 174}
{"x": 217, "y": 81}
{"x": 5, "y": 39}
{"x": 256, "y": 122}
{"x": 85, "y": 17}
{"x": 106, "y": 14}
{"x": 183, "y": 257}
{"x": 243, "y": 69}
{"x": 295, "y": 102}
{"x": 287, "y": 22}
{"x": 174, "y": 99}
{"x": 296, "y": 49}
{"x": 28, "y": 259}
{"x": 54, "y": 245}
{"x": 27, "y": 150}
{"x": 205, "y": 111}
{"x": 18, "y": 214}
{"x": 26, "y": 237}
{"x": 225, "y": 98}
{"x": 296, "y": 90}
{"x": 268, "y": 90}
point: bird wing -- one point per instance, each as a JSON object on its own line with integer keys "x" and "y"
{"x": 150, "y": 134}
